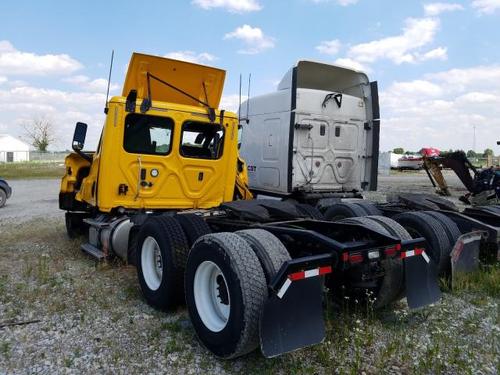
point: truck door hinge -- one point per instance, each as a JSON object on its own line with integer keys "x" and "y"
{"x": 131, "y": 99}
{"x": 368, "y": 125}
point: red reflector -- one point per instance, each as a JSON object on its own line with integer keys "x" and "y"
{"x": 355, "y": 258}
{"x": 297, "y": 276}
{"x": 345, "y": 257}
{"x": 419, "y": 251}
{"x": 398, "y": 247}
{"x": 325, "y": 270}
{"x": 390, "y": 251}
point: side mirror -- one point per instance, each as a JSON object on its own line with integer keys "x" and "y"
{"x": 79, "y": 136}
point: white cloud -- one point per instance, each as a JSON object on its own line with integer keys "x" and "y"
{"x": 404, "y": 48}
{"x": 329, "y": 47}
{"x": 199, "y": 58}
{"x": 435, "y": 9}
{"x": 486, "y": 6}
{"x": 441, "y": 109}
{"x": 95, "y": 85}
{"x": 14, "y": 62}
{"x": 343, "y": 3}
{"x": 3, "y": 79}
{"x": 254, "y": 39}
{"x": 20, "y": 105}
{"x": 231, "y": 102}
{"x": 233, "y": 6}
{"x": 352, "y": 64}
{"x": 439, "y": 53}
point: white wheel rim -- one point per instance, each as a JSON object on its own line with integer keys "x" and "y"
{"x": 211, "y": 296}
{"x": 151, "y": 263}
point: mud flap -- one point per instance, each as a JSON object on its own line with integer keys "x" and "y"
{"x": 465, "y": 253}
{"x": 293, "y": 321}
{"x": 421, "y": 276}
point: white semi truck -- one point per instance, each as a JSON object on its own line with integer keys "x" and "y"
{"x": 316, "y": 136}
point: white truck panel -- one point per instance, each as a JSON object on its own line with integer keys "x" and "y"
{"x": 297, "y": 141}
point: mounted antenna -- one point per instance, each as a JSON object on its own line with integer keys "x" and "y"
{"x": 109, "y": 81}
{"x": 239, "y": 104}
{"x": 248, "y": 98}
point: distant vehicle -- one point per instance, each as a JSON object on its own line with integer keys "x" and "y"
{"x": 5, "y": 192}
{"x": 410, "y": 162}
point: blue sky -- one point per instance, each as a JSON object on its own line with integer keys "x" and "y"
{"x": 437, "y": 63}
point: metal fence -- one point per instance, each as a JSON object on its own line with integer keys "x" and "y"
{"x": 48, "y": 156}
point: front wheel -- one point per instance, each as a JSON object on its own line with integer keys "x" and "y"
{"x": 225, "y": 291}
{"x": 159, "y": 267}
{"x": 3, "y": 198}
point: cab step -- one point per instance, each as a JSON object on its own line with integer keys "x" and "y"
{"x": 93, "y": 251}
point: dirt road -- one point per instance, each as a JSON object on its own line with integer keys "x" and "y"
{"x": 31, "y": 199}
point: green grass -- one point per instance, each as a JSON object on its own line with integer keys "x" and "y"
{"x": 14, "y": 171}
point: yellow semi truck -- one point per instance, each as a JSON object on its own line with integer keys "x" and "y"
{"x": 166, "y": 190}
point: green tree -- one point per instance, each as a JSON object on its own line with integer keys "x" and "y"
{"x": 399, "y": 150}
{"x": 471, "y": 154}
{"x": 487, "y": 152}
{"x": 40, "y": 133}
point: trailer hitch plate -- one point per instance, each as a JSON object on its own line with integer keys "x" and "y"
{"x": 421, "y": 276}
{"x": 293, "y": 321}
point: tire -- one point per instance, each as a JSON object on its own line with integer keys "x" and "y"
{"x": 343, "y": 210}
{"x": 3, "y": 198}
{"x": 161, "y": 246}
{"x": 421, "y": 225}
{"x": 226, "y": 263}
{"x": 369, "y": 208}
{"x": 389, "y": 287}
{"x": 309, "y": 211}
{"x": 194, "y": 227}
{"x": 268, "y": 248}
{"x": 449, "y": 226}
{"x": 393, "y": 227}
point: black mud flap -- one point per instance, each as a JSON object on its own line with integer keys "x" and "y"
{"x": 421, "y": 276}
{"x": 293, "y": 321}
{"x": 465, "y": 253}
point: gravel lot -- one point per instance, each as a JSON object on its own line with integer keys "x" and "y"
{"x": 81, "y": 316}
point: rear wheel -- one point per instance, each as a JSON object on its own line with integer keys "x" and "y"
{"x": 449, "y": 226}
{"x": 421, "y": 225}
{"x": 368, "y": 207}
{"x": 159, "y": 243}
{"x": 225, "y": 291}
{"x": 194, "y": 227}
{"x": 309, "y": 211}
{"x": 268, "y": 248}
{"x": 341, "y": 211}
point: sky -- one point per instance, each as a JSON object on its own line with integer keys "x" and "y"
{"x": 437, "y": 63}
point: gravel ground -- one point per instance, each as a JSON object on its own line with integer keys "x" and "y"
{"x": 84, "y": 317}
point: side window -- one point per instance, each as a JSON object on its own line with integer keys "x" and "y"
{"x": 146, "y": 134}
{"x": 202, "y": 140}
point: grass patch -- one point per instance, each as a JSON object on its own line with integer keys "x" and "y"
{"x": 485, "y": 281}
{"x": 16, "y": 171}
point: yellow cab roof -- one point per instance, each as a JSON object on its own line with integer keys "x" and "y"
{"x": 191, "y": 78}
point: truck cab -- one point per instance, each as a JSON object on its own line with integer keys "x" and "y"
{"x": 164, "y": 144}
{"x": 317, "y": 134}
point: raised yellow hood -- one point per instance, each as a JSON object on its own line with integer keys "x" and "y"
{"x": 185, "y": 76}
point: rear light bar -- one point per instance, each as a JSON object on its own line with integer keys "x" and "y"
{"x": 417, "y": 251}
{"x": 352, "y": 258}
{"x": 391, "y": 251}
{"x": 301, "y": 275}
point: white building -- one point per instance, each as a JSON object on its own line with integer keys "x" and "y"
{"x": 13, "y": 149}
